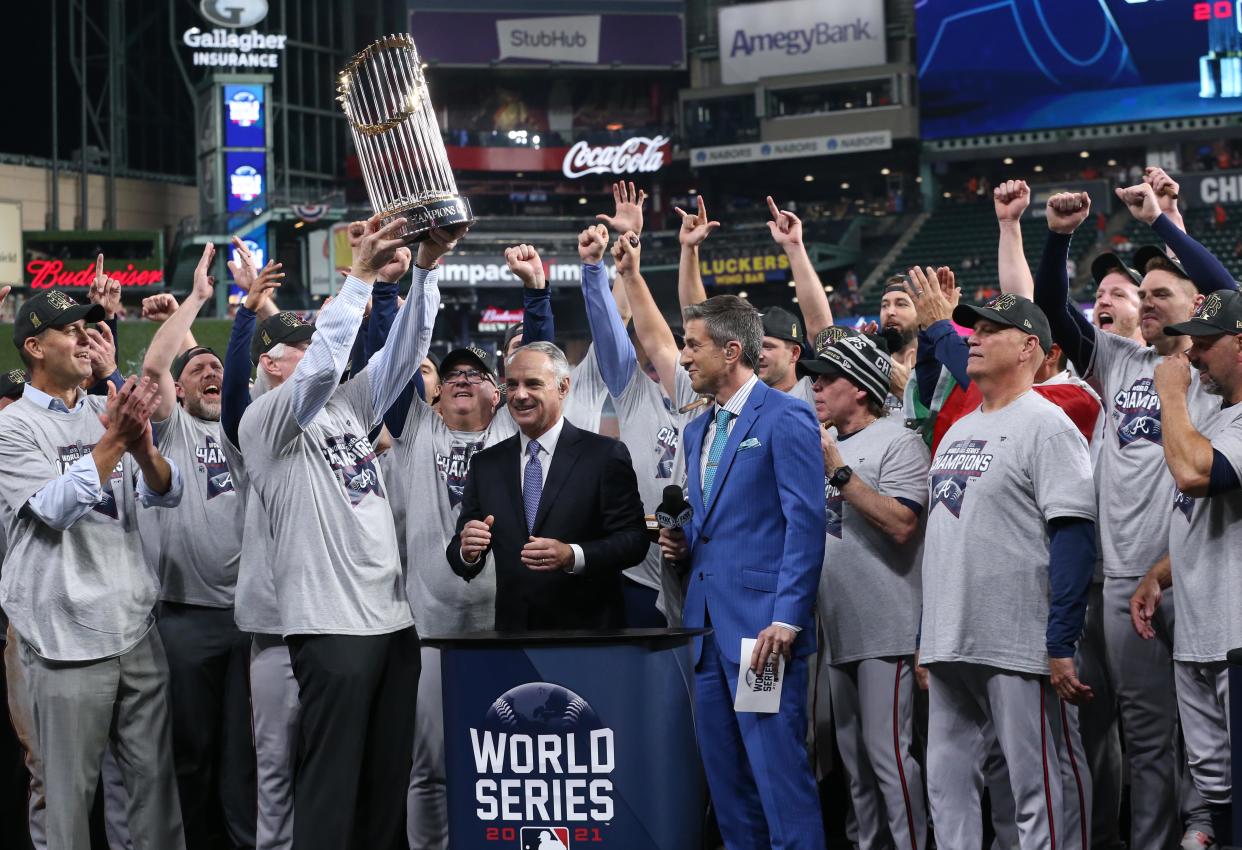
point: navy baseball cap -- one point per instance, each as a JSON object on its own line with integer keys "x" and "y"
{"x": 470, "y": 355}
{"x": 1147, "y": 253}
{"x": 13, "y": 383}
{"x": 1105, "y": 264}
{"x": 782, "y": 324}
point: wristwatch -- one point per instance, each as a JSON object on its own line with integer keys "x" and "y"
{"x": 841, "y": 477}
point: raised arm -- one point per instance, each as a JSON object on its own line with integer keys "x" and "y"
{"x": 1011, "y": 199}
{"x": 538, "y": 323}
{"x": 1070, "y": 329}
{"x": 694, "y": 231}
{"x": 1206, "y": 272}
{"x": 394, "y": 365}
{"x": 319, "y": 372}
{"x": 1167, "y": 190}
{"x": 613, "y": 350}
{"x": 786, "y": 229}
{"x": 653, "y": 332}
{"x": 166, "y": 343}
{"x": 935, "y": 294}
{"x": 235, "y": 387}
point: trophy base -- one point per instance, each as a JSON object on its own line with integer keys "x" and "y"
{"x": 421, "y": 219}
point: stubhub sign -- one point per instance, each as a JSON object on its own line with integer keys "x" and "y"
{"x": 798, "y": 37}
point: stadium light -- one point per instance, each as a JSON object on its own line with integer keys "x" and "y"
{"x": 810, "y": 178}
{"x": 582, "y": 200}
{"x": 885, "y": 171}
{"x": 1084, "y": 154}
{"x": 1038, "y": 168}
{"x": 742, "y": 294}
{"x": 1008, "y": 160}
{"x": 845, "y": 185}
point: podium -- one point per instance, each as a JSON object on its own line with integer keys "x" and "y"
{"x": 571, "y": 740}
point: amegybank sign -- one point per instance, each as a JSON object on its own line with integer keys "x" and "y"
{"x": 799, "y": 37}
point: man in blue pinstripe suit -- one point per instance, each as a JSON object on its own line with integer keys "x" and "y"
{"x": 755, "y": 546}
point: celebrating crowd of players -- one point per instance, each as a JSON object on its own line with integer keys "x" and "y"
{"x": 217, "y": 572}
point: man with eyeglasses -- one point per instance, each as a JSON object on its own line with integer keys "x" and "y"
{"x": 75, "y": 470}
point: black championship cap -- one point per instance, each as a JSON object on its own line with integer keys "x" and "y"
{"x": 831, "y": 334}
{"x": 856, "y": 358}
{"x": 1220, "y": 313}
{"x": 13, "y": 383}
{"x": 1010, "y": 310}
{"x": 471, "y": 355}
{"x": 183, "y": 359}
{"x": 1147, "y": 253}
{"x": 281, "y": 329}
{"x": 782, "y": 324}
{"x": 1106, "y": 264}
{"x": 51, "y": 309}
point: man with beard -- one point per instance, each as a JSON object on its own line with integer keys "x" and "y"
{"x": 196, "y": 552}
{"x": 1203, "y": 451}
{"x": 1134, "y": 525}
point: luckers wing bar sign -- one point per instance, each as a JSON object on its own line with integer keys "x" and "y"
{"x": 66, "y": 259}
{"x": 747, "y": 269}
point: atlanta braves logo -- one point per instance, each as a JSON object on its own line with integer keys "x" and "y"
{"x": 1136, "y": 412}
{"x": 68, "y": 455}
{"x": 353, "y": 460}
{"x": 1184, "y": 503}
{"x": 953, "y": 470}
{"x": 1209, "y": 308}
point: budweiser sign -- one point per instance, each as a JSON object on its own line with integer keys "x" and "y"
{"x": 45, "y": 274}
{"x": 637, "y": 154}
{"x": 495, "y": 320}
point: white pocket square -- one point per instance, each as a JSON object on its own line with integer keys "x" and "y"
{"x": 752, "y": 443}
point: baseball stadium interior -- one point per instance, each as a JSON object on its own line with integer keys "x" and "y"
{"x": 886, "y": 193}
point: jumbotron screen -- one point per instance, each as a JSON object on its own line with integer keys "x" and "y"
{"x": 989, "y": 66}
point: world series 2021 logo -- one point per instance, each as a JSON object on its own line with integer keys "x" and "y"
{"x": 542, "y": 758}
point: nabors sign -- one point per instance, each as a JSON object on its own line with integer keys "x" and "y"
{"x": 641, "y": 153}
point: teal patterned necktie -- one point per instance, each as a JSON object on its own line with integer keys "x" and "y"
{"x": 713, "y": 455}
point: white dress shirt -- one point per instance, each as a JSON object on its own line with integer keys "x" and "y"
{"x": 547, "y": 448}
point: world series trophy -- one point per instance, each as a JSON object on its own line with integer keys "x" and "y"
{"x": 383, "y": 93}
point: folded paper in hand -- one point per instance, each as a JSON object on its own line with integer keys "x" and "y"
{"x": 762, "y": 693}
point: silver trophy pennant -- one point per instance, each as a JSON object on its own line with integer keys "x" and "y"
{"x": 383, "y": 93}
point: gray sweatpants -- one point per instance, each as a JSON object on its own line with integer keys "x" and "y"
{"x": 1203, "y": 699}
{"x": 427, "y": 804}
{"x": 1142, "y": 673}
{"x": 274, "y": 704}
{"x": 78, "y": 710}
{"x": 968, "y": 703}
{"x": 873, "y": 712}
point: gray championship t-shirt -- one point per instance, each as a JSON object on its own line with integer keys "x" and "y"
{"x": 1205, "y": 546}
{"x": 84, "y": 593}
{"x": 585, "y": 403}
{"x": 333, "y": 540}
{"x": 870, "y": 589}
{"x": 650, "y": 427}
{"x": 995, "y": 482}
{"x": 1131, "y": 476}
{"x": 254, "y": 607}
{"x": 427, "y": 468}
{"x": 198, "y": 543}
{"x": 805, "y": 390}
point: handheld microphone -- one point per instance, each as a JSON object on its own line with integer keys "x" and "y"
{"x": 674, "y": 511}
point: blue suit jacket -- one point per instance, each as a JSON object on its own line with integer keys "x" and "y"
{"x": 757, "y": 548}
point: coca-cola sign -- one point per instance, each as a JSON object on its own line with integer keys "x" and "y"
{"x": 641, "y": 153}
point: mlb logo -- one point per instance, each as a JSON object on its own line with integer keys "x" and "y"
{"x": 545, "y": 838}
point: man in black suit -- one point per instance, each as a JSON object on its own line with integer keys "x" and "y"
{"x": 555, "y": 508}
